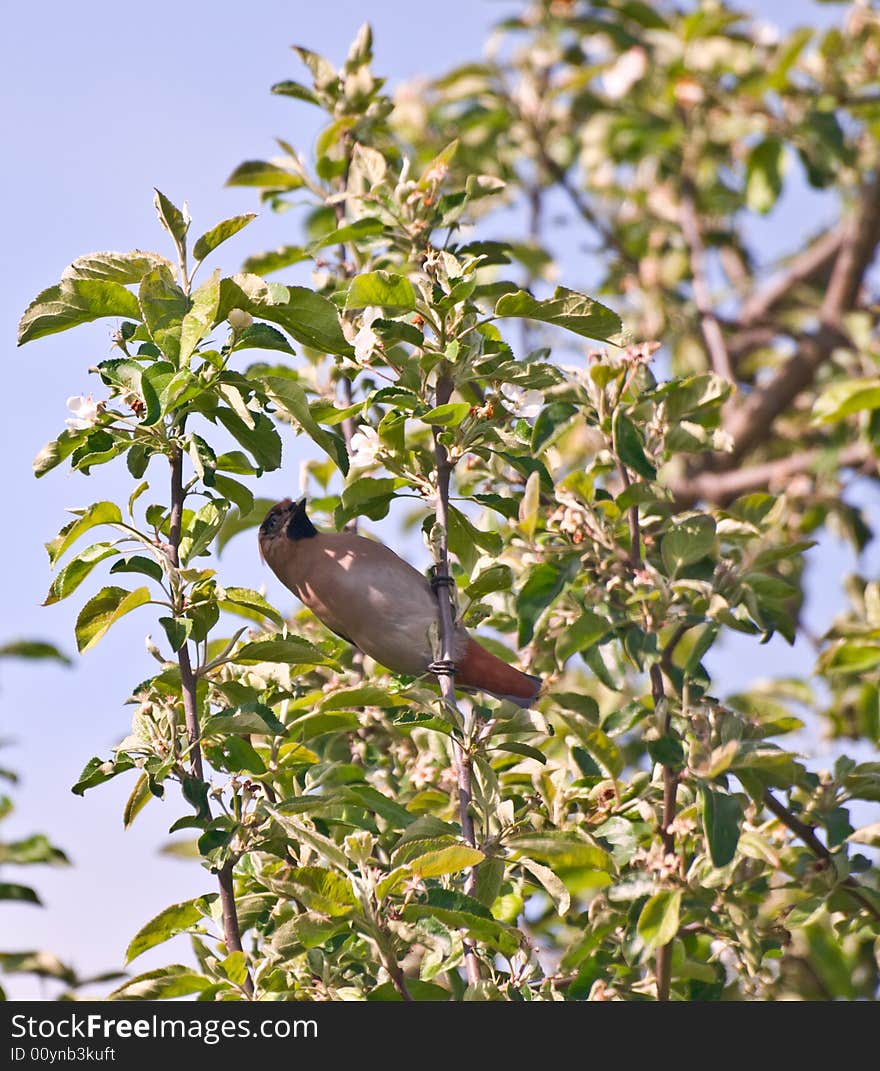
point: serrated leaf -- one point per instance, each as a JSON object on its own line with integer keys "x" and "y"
{"x": 104, "y": 610}
{"x": 77, "y": 569}
{"x": 567, "y": 308}
{"x": 250, "y": 604}
{"x": 218, "y": 234}
{"x": 291, "y": 397}
{"x": 383, "y": 289}
{"x": 163, "y": 306}
{"x": 687, "y": 541}
{"x": 164, "y": 983}
{"x": 199, "y": 317}
{"x": 74, "y": 302}
{"x": 290, "y": 650}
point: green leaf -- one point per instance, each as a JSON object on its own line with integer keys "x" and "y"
{"x": 200, "y": 531}
{"x": 459, "y": 911}
{"x": 586, "y": 631}
{"x": 164, "y": 983}
{"x": 243, "y": 720}
{"x": 382, "y": 288}
{"x": 178, "y": 918}
{"x": 722, "y": 816}
{"x": 103, "y": 610}
{"x": 291, "y": 397}
{"x": 320, "y": 890}
{"x": 562, "y": 850}
{"x": 262, "y": 337}
{"x": 217, "y": 235}
{"x": 628, "y": 446}
{"x": 687, "y": 541}
{"x": 137, "y": 563}
{"x": 351, "y": 232}
{"x": 264, "y": 175}
{"x": 262, "y": 441}
{"x": 200, "y": 316}
{"x": 163, "y": 306}
{"x": 72, "y": 575}
{"x": 123, "y": 268}
{"x": 98, "y": 771}
{"x": 575, "y": 312}
{"x": 659, "y": 921}
{"x": 171, "y": 218}
{"x": 74, "y": 302}
{"x": 764, "y": 175}
{"x": 308, "y": 317}
{"x": 605, "y": 752}
{"x": 177, "y": 630}
{"x": 57, "y": 450}
{"x": 434, "y": 864}
{"x": 554, "y": 887}
{"x": 290, "y": 650}
{"x": 32, "y": 850}
{"x": 451, "y": 414}
{"x": 98, "y": 513}
{"x": 250, "y": 604}
{"x": 21, "y": 893}
{"x": 296, "y": 90}
{"x": 33, "y": 649}
{"x": 139, "y": 797}
{"x": 543, "y": 584}
{"x": 843, "y": 398}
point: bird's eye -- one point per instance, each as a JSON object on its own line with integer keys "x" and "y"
{"x": 271, "y": 522}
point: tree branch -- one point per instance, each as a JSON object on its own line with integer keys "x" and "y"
{"x": 231, "y": 929}
{"x": 446, "y": 665}
{"x": 806, "y": 834}
{"x": 187, "y": 677}
{"x": 752, "y": 421}
{"x": 712, "y": 333}
{"x": 815, "y": 260}
{"x": 722, "y": 487}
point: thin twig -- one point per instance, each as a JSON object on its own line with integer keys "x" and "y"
{"x": 806, "y": 834}
{"x": 670, "y": 787}
{"x": 711, "y": 328}
{"x": 187, "y": 677}
{"x": 464, "y": 770}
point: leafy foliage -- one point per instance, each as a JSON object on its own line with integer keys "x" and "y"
{"x": 635, "y": 835}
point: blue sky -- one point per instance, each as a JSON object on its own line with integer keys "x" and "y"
{"x": 106, "y": 101}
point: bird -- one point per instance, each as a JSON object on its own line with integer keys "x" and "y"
{"x": 374, "y": 600}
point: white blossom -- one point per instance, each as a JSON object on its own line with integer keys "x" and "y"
{"x": 525, "y": 403}
{"x": 85, "y": 412}
{"x": 622, "y": 75}
{"x": 366, "y": 340}
{"x": 239, "y": 320}
{"x": 365, "y": 447}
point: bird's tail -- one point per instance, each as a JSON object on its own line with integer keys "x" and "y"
{"x": 479, "y": 670}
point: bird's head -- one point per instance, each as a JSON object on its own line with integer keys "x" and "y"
{"x": 286, "y": 522}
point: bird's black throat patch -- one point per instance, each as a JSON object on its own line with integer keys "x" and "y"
{"x": 299, "y": 526}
